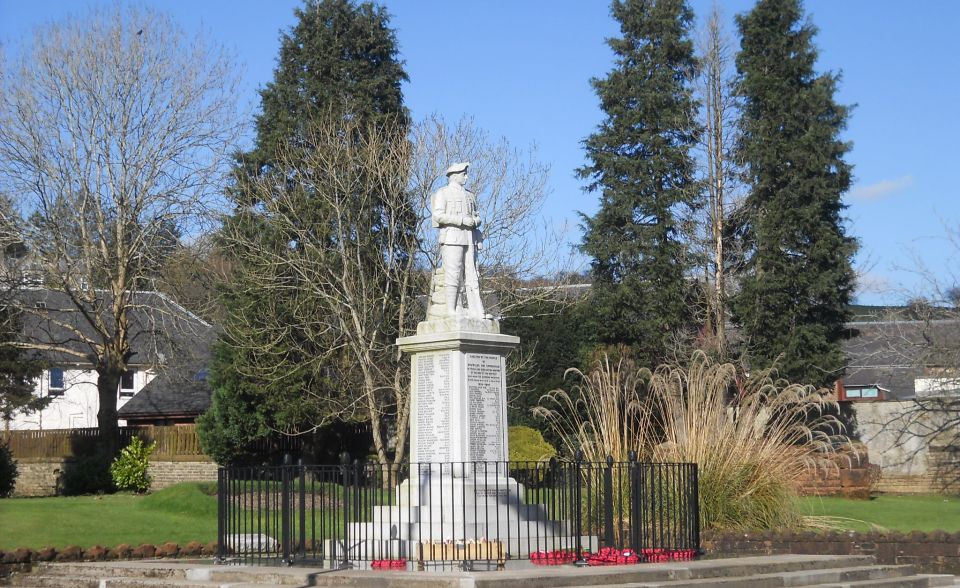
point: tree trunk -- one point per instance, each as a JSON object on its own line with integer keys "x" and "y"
{"x": 108, "y": 382}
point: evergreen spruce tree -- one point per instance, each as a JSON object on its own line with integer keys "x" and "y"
{"x": 640, "y": 162}
{"x": 339, "y": 60}
{"x": 797, "y": 280}
{"x": 18, "y": 369}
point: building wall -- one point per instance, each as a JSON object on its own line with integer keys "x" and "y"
{"x": 76, "y": 407}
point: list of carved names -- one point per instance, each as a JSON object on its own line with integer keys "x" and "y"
{"x": 434, "y": 389}
{"x": 485, "y": 406}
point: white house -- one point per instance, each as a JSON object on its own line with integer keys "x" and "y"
{"x": 165, "y": 339}
{"x": 74, "y": 399}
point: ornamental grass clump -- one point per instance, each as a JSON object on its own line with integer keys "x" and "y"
{"x": 753, "y": 439}
{"x": 603, "y": 413}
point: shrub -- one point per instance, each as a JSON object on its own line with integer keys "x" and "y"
{"x": 89, "y": 473}
{"x": 8, "y": 470}
{"x": 529, "y": 452}
{"x": 527, "y": 444}
{"x": 129, "y": 470}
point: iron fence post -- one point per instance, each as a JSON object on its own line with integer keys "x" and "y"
{"x": 608, "y": 502}
{"x": 578, "y": 506}
{"x": 345, "y": 468}
{"x": 635, "y": 519}
{"x": 302, "y": 509}
{"x": 221, "y": 516}
{"x": 285, "y": 496}
{"x": 695, "y": 505}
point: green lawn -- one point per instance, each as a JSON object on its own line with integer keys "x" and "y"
{"x": 188, "y": 512}
{"x": 183, "y": 513}
{"x": 894, "y": 513}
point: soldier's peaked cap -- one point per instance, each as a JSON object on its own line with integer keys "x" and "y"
{"x": 458, "y": 167}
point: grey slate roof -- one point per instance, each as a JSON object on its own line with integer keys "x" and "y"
{"x": 892, "y": 353}
{"x": 172, "y": 393}
{"x": 162, "y": 333}
{"x": 165, "y": 338}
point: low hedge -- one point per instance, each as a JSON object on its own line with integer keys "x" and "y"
{"x": 24, "y": 555}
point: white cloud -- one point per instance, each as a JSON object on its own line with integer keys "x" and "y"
{"x": 880, "y": 189}
{"x": 872, "y": 283}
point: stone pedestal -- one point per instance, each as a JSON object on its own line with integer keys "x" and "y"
{"x": 459, "y": 490}
{"x": 459, "y": 405}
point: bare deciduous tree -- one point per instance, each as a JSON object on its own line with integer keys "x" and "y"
{"x": 190, "y": 274}
{"x": 916, "y": 349}
{"x": 719, "y": 111}
{"x": 341, "y": 256}
{"x": 349, "y": 247}
{"x": 115, "y": 132}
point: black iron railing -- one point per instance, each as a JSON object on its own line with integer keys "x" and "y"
{"x": 458, "y": 514}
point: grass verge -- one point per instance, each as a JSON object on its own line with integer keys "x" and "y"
{"x": 188, "y": 512}
{"x": 892, "y": 513}
{"x": 182, "y": 513}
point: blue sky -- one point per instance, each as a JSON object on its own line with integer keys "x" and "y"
{"x": 521, "y": 69}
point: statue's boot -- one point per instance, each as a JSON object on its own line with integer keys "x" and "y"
{"x": 450, "y": 293}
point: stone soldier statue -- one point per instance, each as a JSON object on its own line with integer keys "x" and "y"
{"x": 455, "y": 214}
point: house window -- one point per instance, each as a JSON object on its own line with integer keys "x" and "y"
{"x": 126, "y": 383}
{"x": 872, "y": 392}
{"x": 55, "y": 382}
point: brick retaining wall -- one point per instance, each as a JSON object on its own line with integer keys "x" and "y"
{"x": 168, "y": 473}
{"x": 852, "y": 476}
{"x": 934, "y": 553}
{"x": 38, "y": 476}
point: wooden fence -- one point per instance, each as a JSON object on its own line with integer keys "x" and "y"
{"x": 173, "y": 442}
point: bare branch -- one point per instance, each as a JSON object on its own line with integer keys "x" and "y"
{"x": 116, "y": 142}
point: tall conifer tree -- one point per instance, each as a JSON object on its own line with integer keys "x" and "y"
{"x": 798, "y": 279}
{"x": 640, "y": 163}
{"x": 339, "y": 60}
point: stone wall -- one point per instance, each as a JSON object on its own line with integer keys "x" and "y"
{"x": 168, "y": 473}
{"x": 932, "y": 553}
{"x": 851, "y": 476}
{"x": 916, "y": 443}
{"x": 38, "y": 476}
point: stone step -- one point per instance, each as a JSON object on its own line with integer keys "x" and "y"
{"x": 133, "y": 582}
{"x": 710, "y": 571}
{"x": 174, "y": 571}
{"x": 567, "y": 576}
{"x": 749, "y": 572}
{"x": 917, "y": 581}
{"x": 782, "y": 579}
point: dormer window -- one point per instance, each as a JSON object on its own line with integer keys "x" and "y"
{"x": 41, "y": 304}
{"x": 126, "y": 382}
